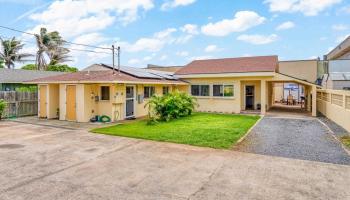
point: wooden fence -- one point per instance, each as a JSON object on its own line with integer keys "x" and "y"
{"x": 20, "y": 103}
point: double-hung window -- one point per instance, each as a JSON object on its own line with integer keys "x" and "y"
{"x": 105, "y": 93}
{"x": 200, "y": 90}
{"x": 148, "y": 91}
{"x": 222, "y": 90}
{"x": 165, "y": 90}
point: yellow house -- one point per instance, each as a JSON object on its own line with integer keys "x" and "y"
{"x": 233, "y": 85}
{"x": 230, "y": 85}
{"x": 119, "y": 95}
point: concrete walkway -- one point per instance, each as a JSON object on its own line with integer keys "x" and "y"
{"x": 297, "y": 137}
{"x": 42, "y": 162}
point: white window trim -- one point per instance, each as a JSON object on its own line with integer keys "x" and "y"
{"x": 200, "y": 84}
{"x": 109, "y": 93}
{"x": 224, "y": 97}
{"x": 149, "y": 93}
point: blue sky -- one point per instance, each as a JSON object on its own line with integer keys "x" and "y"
{"x": 174, "y": 32}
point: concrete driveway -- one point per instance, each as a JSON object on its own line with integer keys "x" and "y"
{"x": 297, "y": 137}
{"x": 43, "y": 162}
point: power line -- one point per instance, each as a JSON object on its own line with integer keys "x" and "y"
{"x": 87, "y": 45}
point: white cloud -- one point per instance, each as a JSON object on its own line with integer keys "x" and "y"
{"x": 340, "y": 27}
{"x": 205, "y": 57}
{"x": 242, "y": 21}
{"x": 190, "y": 29}
{"x": 175, "y": 3}
{"x": 90, "y": 38}
{"x": 147, "y": 58}
{"x": 211, "y": 48}
{"x": 133, "y": 61}
{"x": 183, "y": 39}
{"x": 182, "y": 53}
{"x": 307, "y": 7}
{"x": 72, "y": 18}
{"x": 258, "y": 39}
{"x": 151, "y": 44}
{"x": 163, "y": 57}
{"x": 285, "y": 26}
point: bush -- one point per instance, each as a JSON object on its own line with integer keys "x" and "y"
{"x": 170, "y": 106}
{"x": 27, "y": 89}
{"x": 2, "y": 107}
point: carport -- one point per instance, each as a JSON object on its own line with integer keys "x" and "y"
{"x": 286, "y": 94}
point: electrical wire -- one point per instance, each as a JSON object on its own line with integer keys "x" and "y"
{"x": 87, "y": 45}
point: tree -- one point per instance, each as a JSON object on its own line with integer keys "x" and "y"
{"x": 1, "y": 63}
{"x": 10, "y": 52}
{"x": 61, "y": 68}
{"x": 50, "y": 44}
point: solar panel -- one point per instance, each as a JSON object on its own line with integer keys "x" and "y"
{"x": 147, "y": 73}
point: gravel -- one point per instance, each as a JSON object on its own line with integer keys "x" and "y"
{"x": 305, "y": 139}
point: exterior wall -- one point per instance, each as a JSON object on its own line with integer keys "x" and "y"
{"x": 335, "y": 105}
{"x": 303, "y": 69}
{"x": 53, "y": 101}
{"x": 220, "y": 104}
{"x": 278, "y": 92}
{"x": 87, "y": 107}
{"x": 340, "y": 85}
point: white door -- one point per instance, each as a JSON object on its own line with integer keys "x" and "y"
{"x": 130, "y": 101}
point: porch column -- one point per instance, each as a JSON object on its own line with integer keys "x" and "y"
{"x": 263, "y": 97}
{"x": 308, "y": 102}
{"x": 314, "y": 102}
{"x": 237, "y": 94}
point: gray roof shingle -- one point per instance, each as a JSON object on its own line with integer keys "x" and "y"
{"x": 21, "y": 75}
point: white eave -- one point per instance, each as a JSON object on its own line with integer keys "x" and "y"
{"x": 220, "y": 75}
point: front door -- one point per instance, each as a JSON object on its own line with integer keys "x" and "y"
{"x": 43, "y": 101}
{"x": 130, "y": 101}
{"x": 249, "y": 97}
{"x": 71, "y": 114}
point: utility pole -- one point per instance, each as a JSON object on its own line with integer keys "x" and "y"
{"x": 113, "y": 59}
{"x": 118, "y": 59}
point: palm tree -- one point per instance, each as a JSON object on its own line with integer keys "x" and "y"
{"x": 50, "y": 44}
{"x": 10, "y": 52}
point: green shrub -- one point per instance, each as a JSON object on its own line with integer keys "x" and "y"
{"x": 2, "y": 107}
{"x": 27, "y": 89}
{"x": 170, "y": 106}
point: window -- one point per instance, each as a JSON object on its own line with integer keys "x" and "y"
{"x": 223, "y": 91}
{"x": 104, "y": 92}
{"x": 148, "y": 91}
{"x": 165, "y": 90}
{"x": 200, "y": 90}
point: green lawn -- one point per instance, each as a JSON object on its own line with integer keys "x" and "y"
{"x": 200, "y": 129}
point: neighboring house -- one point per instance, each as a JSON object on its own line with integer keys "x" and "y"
{"x": 337, "y": 64}
{"x": 164, "y": 68}
{"x": 342, "y": 51}
{"x": 229, "y": 85}
{"x": 10, "y": 79}
{"x": 337, "y": 81}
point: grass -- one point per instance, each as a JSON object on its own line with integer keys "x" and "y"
{"x": 346, "y": 140}
{"x": 220, "y": 131}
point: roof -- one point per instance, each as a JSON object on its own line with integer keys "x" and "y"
{"x": 164, "y": 68}
{"x": 21, "y": 75}
{"x": 231, "y": 65}
{"x": 340, "y": 50}
{"x": 105, "y": 76}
